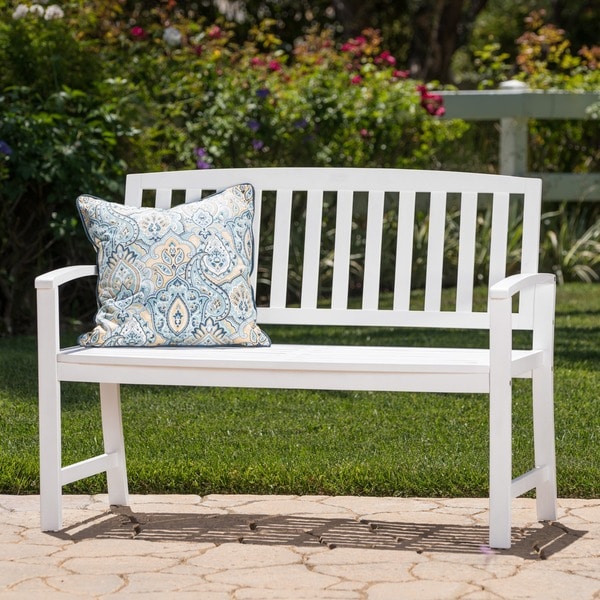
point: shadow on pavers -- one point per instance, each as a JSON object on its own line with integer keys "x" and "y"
{"x": 535, "y": 543}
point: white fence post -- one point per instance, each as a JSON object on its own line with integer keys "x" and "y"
{"x": 514, "y": 136}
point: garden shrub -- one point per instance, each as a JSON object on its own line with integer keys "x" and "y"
{"x": 101, "y": 94}
{"x": 58, "y": 137}
{"x": 90, "y": 91}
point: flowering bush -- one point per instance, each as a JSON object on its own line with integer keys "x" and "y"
{"x": 546, "y": 61}
{"x": 40, "y": 50}
{"x": 61, "y": 132}
{"x": 209, "y": 102}
{"x": 91, "y": 90}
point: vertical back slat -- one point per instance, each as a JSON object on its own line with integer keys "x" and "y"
{"x": 531, "y": 231}
{"x": 256, "y": 236}
{"x": 133, "y": 190}
{"x": 532, "y": 207}
{"x": 341, "y": 252}
{"x": 163, "y": 198}
{"x": 373, "y": 250}
{"x": 192, "y": 195}
{"x": 466, "y": 252}
{"x": 281, "y": 248}
{"x": 404, "y": 250}
{"x": 500, "y": 210}
{"x": 312, "y": 249}
{"x": 435, "y": 251}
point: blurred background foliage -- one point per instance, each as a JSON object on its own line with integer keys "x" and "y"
{"x": 91, "y": 90}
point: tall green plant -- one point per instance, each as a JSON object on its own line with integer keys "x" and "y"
{"x": 571, "y": 242}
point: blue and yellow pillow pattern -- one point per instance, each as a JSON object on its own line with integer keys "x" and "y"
{"x": 174, "y": 277}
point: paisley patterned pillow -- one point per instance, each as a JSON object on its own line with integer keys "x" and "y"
{"x": 174, "y": 277}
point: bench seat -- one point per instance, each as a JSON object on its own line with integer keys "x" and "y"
{"x": 372, "y": 368}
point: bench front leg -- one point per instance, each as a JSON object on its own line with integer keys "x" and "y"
{"x": 49, "y": 406}
{"x": 50, "y": 456}
{"x": 500, "y": 423}
{"x": 49, "y": 391}
{"x": 543, "y": 477}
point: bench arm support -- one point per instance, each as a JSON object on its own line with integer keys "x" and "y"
{"x": 48, "y": 314}
{"x": 538, "y": 295}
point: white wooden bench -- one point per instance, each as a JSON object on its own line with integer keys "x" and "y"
{"x": 489, "y": 370}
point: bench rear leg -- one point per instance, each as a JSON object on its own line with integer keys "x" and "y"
{"x": 50, "y": 456}
{"x": 544, "y": 446}
{"x": 114, "y": 443}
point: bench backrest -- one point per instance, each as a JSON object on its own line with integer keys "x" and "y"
{"x": 333, "y": 234}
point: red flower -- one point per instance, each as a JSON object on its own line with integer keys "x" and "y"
{"x": 356, "y": 80}
{"x": 355, "y": 45}
{"x": 138, "y": 32}
{"x": 432, "y": 103}
{"x": 275, "y": 66}
{"x": 386, "y": 57}
{"x": 400, "y": 74}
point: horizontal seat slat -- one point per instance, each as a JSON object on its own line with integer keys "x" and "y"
{"x": 370, "y": 359}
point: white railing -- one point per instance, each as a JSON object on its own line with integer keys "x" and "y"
{"x": 513, "y": 105}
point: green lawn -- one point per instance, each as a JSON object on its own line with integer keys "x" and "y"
{"x": 189, "y": 440}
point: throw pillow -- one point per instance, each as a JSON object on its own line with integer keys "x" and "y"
{"x": 174, "y": 277}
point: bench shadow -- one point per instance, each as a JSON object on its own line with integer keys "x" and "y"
{"x": 534, "y": 543}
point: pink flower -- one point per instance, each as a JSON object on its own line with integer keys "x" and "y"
{"x": 400, "y": 74}
{"x": 274, "y": 65}
{"x": 138, "y": 32}
{"x": 356, "y": 80}
{"x": 386, "y": 57}
{"x": 364, "y": 133}
{"x": 215, "y": 32}
{"x": 355, "y": 45}
{"x": 432, "y": 103}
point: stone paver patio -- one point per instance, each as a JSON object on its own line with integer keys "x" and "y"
{"x": 223, "y": 547}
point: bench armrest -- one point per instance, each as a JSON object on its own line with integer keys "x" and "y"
{"x": 56, "y": 278}
{"x": 48, "y": 314}
{"x": 539, "y": 299}
{"x": 509, "y": 286}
